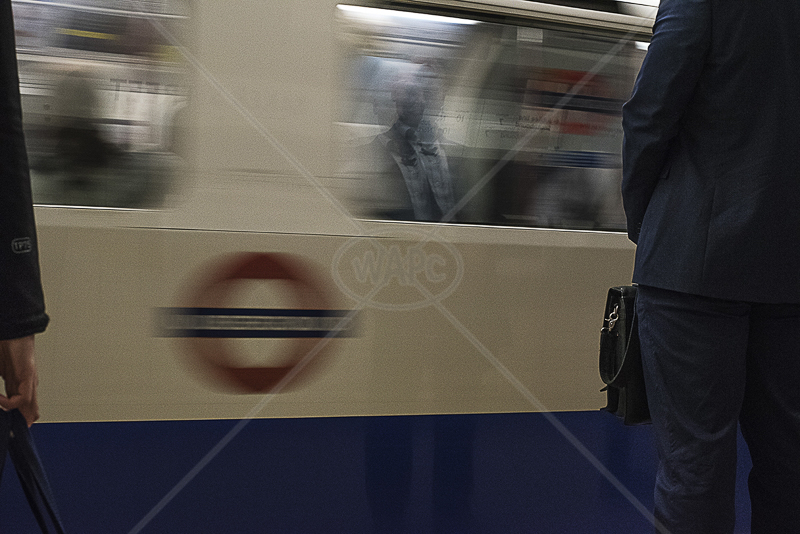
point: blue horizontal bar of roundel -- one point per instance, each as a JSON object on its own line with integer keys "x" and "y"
{"x": 255, "y": 323}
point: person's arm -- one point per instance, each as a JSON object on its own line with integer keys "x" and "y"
{"x": 664, "y": 87}
{"x": 22, "y": 311}
{"x": 18, "y": 370}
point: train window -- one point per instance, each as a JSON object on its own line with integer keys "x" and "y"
{"x": 103, "y": 92}
{"x": 468, "y": 121}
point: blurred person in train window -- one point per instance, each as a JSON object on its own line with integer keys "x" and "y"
{"x": 82, "y": 153}
{"x": 711, "y": 191}
{"x": 414, "y": 179}
{"x": 21, "y": 299}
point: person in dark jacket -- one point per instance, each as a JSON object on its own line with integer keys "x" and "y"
{"x": 711, "y": 188}
{"x": 22, "y": 313}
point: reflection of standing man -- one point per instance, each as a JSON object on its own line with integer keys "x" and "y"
{"x": 418, "y": 185}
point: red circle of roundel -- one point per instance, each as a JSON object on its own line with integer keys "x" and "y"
{"x": 216, "y": 354}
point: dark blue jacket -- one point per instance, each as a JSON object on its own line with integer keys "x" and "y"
{"x": 711, "y": 158}
{"x": 21, "y": 301}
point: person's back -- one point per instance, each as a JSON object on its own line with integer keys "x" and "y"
{"x": 711, "y": 188}
{"x": 722, "y": 141}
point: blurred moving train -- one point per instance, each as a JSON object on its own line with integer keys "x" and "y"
{"x": 269, "y": 314}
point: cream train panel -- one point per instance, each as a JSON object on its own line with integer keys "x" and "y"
{"x": 264, "y": 71}
{"x": 424, "y": 341}
{"x": 461, "y": 318}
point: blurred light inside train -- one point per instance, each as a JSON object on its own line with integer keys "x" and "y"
{"x": 509, "y": 124}
{"x": 103, "y": 91}
{"x": 641, "y": 8}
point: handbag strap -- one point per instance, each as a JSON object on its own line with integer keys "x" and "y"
{"x": 617, "y": 377}
{"x": 30, "y": 472}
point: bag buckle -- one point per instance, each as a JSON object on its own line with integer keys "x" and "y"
{"x": 613, "y": 317}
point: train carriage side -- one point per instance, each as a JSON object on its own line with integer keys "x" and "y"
{"x": 316, "y": 267}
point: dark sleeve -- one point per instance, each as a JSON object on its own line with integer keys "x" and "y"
{"x": 21, "y": 299}
{"x": 664, "y": 87}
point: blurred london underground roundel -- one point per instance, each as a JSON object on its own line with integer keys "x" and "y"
{"x": 398, "y": 270}
{"x": 208, "y": 322}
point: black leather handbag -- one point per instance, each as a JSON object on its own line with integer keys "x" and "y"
{"x": 621, "y": 359}
{"x": 15, "y": 439}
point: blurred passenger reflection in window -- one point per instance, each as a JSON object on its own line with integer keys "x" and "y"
{"x": 529, "y": 119}
{"x": 80, "y": 151}
{"x": 102, "y": 92}
{"x": 412, "y": 178}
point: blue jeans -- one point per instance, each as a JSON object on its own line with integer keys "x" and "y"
{"x": 710, "y": 364}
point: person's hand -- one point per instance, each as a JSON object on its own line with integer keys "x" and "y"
{"x": 18, "y": 370}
